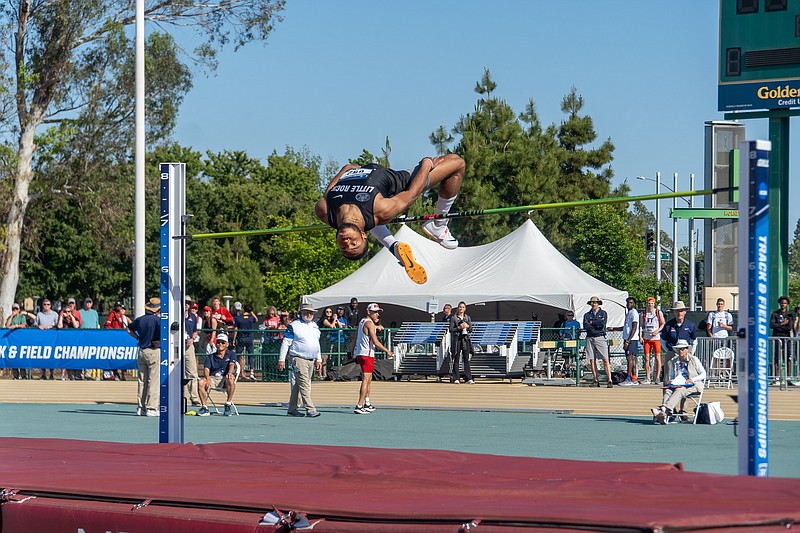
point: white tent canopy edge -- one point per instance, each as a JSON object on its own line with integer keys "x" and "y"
{"x": 513, "y": 278}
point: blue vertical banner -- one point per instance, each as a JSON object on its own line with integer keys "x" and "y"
{"x": 754, "y": 310}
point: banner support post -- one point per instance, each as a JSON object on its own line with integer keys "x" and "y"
{"x": 754, "y": 302}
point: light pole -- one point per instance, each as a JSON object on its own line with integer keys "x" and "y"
{"x": 657, "y": 181}
{"x": 675, "y": 241}
{"x": 675, "y": 259}
{"x": 692, "y": 252}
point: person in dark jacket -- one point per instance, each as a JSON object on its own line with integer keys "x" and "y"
{"x": 460, "y": 343}
{"x": 146, "y": 329}
{"x": 594, "y": 322}
{"x": 781, "y": 321}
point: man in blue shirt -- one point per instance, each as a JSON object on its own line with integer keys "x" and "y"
{"x": 219, "y": 369}
{"x": 570, "y": 328}
{"x": 146, "y": 329}
{"x": 679, "y": 327}
{"x": 243, "y": 325}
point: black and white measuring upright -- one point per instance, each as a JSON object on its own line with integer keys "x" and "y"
{"x": 173, "y": 272}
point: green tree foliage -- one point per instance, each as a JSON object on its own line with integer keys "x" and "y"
{"x": 604, "y": 249}
{"x": 506, "y": 164}
{"x": 236, "y": 192}
{"x": 441, "y": 139}
{"x": 67, "y": 64}
{"x": 579, "y": 176}
{"x": 513, "y": 159}
{"x": 364, "y": 159}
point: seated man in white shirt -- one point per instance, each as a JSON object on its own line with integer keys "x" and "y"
{"x": 686, "y": 375}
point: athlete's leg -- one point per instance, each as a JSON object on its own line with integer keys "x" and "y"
{"x": 448, "y": 174}
{"x": 402, "y": 251}
{"x": 363, "y": 392}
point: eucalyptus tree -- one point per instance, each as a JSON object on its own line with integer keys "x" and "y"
{"x": 70, "y": 60}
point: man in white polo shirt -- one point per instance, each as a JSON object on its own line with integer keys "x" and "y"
{"x": 630, "y": 338}
{"x": 301, "y": 340}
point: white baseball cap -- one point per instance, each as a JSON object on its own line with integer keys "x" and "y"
{"x": 371, "y": 308}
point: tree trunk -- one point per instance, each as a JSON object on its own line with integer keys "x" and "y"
{"x": 9, "y": 268}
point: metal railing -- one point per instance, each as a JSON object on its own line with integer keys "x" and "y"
{"x": 784, "y": 353}
{"x": 335, "y": 344}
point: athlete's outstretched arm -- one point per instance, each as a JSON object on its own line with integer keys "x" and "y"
{"x": 321, "y": 209}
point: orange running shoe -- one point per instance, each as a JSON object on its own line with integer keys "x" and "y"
{"x": 414, "y": 270}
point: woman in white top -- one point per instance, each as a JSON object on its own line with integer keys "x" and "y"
{"x": 652, "y": 323}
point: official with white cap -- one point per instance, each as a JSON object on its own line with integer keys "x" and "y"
{"x": 686, "y": 376}
{"x": 301, "y": 341}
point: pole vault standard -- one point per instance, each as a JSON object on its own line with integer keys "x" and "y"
{"x": 467, "y": 214}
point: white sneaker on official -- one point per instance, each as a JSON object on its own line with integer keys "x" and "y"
{"x": 440, "y": 234}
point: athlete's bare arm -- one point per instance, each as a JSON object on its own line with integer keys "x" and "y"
{"x": 386, "y": 209}
{"x": 321, "y": 209}
{"x": 369, "y": 329}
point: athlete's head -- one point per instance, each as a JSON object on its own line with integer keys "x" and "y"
{"x": 352, "y": 241}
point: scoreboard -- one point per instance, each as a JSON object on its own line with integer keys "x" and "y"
{"x": 759, "y": 55}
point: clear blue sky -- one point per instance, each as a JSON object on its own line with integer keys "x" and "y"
{"x": 338, "y": 77}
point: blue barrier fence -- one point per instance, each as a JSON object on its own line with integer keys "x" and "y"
{"x": 74, "y": 349}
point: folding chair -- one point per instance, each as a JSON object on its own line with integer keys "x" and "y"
{"x": 695, "y": 397}
{"x": 721, "y": 369}
{"x": 237, "y": 370}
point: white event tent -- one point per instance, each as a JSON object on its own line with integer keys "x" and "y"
{"x": 517, "y": 277}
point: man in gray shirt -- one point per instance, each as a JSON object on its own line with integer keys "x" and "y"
{"x": 46, "y": 319}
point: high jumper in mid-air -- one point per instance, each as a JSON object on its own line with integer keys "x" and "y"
{"x": 361, "y": 199}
